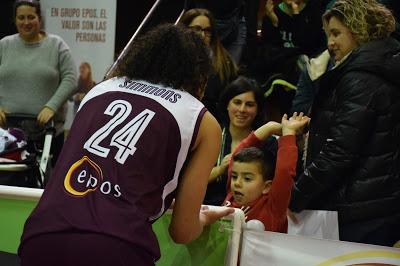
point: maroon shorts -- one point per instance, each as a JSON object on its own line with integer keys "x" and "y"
{"x": 76, "y": 249}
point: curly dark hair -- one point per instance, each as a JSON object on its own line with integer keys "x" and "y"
{"x": 238, "y": 86}
{"x": 171, "y": 55}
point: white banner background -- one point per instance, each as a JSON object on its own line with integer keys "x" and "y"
{"x": 88, "y": 27}
{"x": 268, "y": 248}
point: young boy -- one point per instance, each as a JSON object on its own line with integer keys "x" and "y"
{"x": 253, "y": 185}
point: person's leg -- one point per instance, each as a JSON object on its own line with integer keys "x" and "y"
{"x": 382, "y": 231}
{"x": 56, "y": 147}
{"x": 81, "y": 249}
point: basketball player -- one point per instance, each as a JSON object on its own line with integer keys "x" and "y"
{"x": 139, "y": 140}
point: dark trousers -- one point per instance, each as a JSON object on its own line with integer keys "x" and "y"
{"x": 56, "y": 147}
{"x": 81, "y": 249}
{"x": 382, "y": 231}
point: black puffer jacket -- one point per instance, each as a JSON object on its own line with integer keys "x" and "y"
{"x": 353, "y": 152}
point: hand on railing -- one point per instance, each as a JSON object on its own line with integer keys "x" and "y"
{"x": 45, "y": 116}
{"x": 2, "y": 117}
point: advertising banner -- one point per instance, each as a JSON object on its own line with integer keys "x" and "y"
{"x": 88, "y": 28}
{"x": 268, "y": 248}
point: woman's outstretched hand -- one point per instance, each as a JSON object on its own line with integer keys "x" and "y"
{"x": 294, "y": 124}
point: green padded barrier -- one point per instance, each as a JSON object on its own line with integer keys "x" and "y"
{"x": 209, "y": 249}
{"x": 13, "y": 214}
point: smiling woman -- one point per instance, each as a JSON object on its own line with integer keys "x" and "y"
{"x": 27, "y": 20}
{"x": 340, "y": 39}
{"x": 352, "y": 163}
{"x": 37, "y": 73}
{"x": 242, "y": 105}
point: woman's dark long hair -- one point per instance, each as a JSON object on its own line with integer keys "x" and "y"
{"x": 238, "y": 86}
{"x": 223, "y": 64}
{"x": 32, "y": 3}
{"x": 171, "y": 55}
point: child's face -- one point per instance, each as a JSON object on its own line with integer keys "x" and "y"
{"x": 247, "y": 182}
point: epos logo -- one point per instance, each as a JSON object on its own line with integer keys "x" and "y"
{"x": 85, "y": 176}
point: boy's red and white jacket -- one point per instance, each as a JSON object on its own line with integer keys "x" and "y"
{"x": 271, "y": 208}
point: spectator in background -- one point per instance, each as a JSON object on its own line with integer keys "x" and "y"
{"x": 224, "y": 68}
{"x": 307, "y": 85}
{"x": 85, "y": 83}
{"x": 230, "y": 23}
{"x": 352, "y": 159}
{"x": 37, "y": 72}
{"x": 291, "y": 28}
{"x": 242, "y": 105}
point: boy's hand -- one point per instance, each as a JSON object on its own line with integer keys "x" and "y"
{"x": 294, "y": 124}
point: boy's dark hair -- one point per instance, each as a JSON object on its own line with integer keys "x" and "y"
{"x": 253, "y": 154}
{"x": 238, "y": 86}
{"x": 171, "y": 55}
{"x": 32, "y": 3}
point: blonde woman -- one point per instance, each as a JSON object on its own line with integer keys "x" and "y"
{"x": 353, "y": 158}
{"x": 85, "y": 83}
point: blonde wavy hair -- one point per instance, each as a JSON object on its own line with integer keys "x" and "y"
{"x": 368, "y": 20}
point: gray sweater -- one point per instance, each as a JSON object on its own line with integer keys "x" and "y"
{"x": 34, "y": 75}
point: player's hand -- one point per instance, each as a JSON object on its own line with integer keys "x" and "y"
{"x": 294, "y": 124}
{"x": 269, "y": 11}
{"x": 3, "y": 119}
{"x": 45, "y": 115}
{"x": 208, "y": 216}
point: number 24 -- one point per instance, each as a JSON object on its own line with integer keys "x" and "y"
{"x": 124, "y": 139}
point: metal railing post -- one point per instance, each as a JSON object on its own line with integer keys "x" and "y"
{"x": 127, "y": 47}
